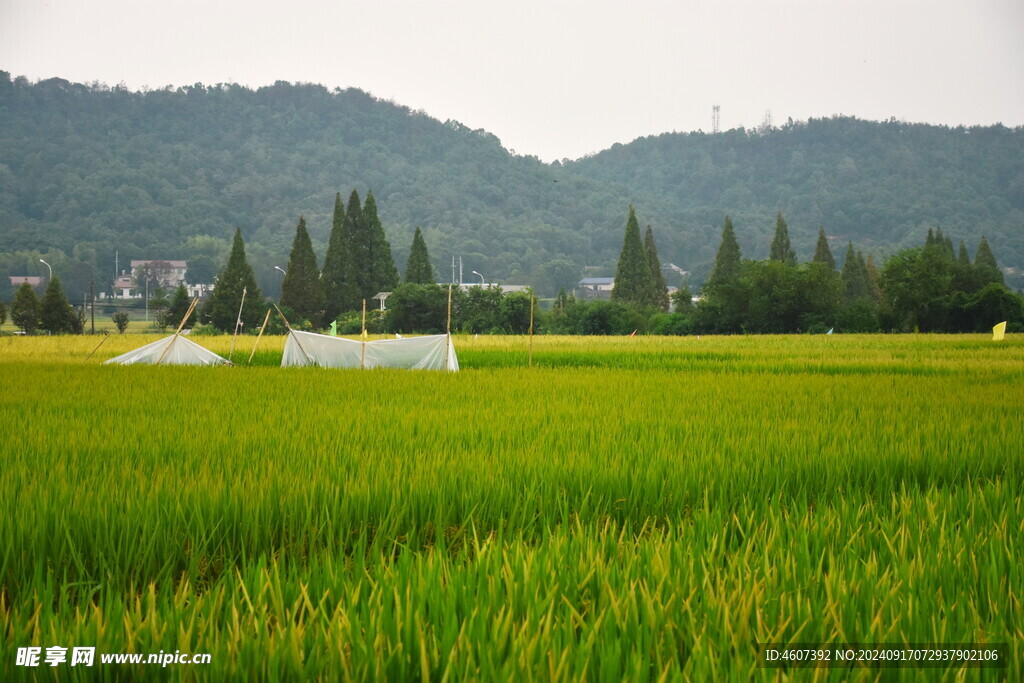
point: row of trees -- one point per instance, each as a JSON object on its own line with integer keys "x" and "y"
{"x": 357, "y": 266}
{"x": 929, "y": 289}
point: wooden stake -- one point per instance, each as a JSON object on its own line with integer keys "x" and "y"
{"x": 285, "y": 320}
{"x": 105, "y": 335}
{"x": 258, "y": 337}
{"x": 178, "y": 331}
{"x": 362, "y": 338}
{"x": 238, "y": 323}
{"x": 531, "y": 330}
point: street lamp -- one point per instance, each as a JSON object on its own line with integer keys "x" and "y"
{"x": 481, "y": 278}
{"x": 281, "y": 269}
{"x": 48, "y": 266}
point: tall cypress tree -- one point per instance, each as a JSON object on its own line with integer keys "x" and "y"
{"x": 339, "y": 279}
{"x": 727, "y": 260}
{"x": 985, "y": 260}
{"x": 222, "y": 307}
{"x": 873, "y": 280}
{"x": 418, "y": 269}
{"x": 822, "y": 253}
{"x": 782, "y": 250}
{"x": 383, "y": 275}
{"x": 302, "y": 290}
{"x": 633, "y": 281}
{"x": 359, "y": 247}
{"x": 659, "y": 290}
{"x": 964, "y": 257}
{"x": 856, "y": 281}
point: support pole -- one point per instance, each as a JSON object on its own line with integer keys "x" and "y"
{"x": 105, "y": 336}
{"x": 92, "y": 302}
{"x": 259, "y": 336}
{"x": 289, "y": 327}
{"x": 238, "y": 323}
{"x": 362, "y": 337}
{"x": 531, "y": 330}
{"x": 448, "y": 332}
{"x": 178, "y": 331}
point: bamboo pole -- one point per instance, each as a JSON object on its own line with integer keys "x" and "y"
{"x": 238, "y": 323}
{"x": 362, "y": 338}
{"x": 258, "y": 337}
{"x": 448, "y": 332}
{"x": 285, "y": 320}
{"x": 184, "y": 319}
{"x": 531, "y": 330}
{"x": 105, "y": 336}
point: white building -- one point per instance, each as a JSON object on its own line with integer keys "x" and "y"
{"x": 596, "y": 287}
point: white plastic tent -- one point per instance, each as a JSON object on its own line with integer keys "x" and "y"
{"x": 417, "y": 353}
{"x": 179, "y": 351}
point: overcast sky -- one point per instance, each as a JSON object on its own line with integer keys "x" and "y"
{"x": 557, "y": 78}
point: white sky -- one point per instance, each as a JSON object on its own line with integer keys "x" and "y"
{"x": 557, "y": 78}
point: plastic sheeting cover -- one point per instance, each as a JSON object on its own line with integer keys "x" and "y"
{"x": 182, "y": 352}
{"x": 416, "y": 353}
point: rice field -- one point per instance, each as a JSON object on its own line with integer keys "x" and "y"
{"x": 643, "y": 508}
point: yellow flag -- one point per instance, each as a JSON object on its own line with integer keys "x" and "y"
{"x": 999, "y": 331}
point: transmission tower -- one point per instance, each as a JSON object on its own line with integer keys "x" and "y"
{"x": 716, "y": 111}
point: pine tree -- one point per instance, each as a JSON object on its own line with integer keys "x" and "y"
{"x": 222, "y": 307}
{"x": 822, "y": 253}
{"x": 633, "y": 281}
{"x": 383, "y": 275}
{"x": 25, "y": 308}
{"x": 418, "y": 269}
{"x": 302, "y": 289}
{"x": 964, "y": 257}
{"x": 178, "y": 306}
{"x": 873, "y": 280}
{"x": 782, "y": 250}
{"x": 856, "y": 281}
{"x": 727, "y": 260}
{"x": 659, "y": 290}
{"x": 930, "y": 239}
{"x": 340, "y": 286}
{"x": 55, "y": 313}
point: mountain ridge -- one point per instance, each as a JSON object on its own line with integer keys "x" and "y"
{"x": 87, "y": 169}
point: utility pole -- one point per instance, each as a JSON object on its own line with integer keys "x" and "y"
{"x": 92, "y": 301}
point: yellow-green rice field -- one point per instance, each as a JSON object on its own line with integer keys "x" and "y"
{"x": 644, "y": 508}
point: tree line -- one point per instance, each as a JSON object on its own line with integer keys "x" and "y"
{"x": 930, "y": 288}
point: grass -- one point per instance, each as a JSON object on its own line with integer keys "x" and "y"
{"x": 640, "y": 508}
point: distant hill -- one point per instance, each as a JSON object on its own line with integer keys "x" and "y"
{"x": 880, "y": 185}
{"x": 88, "y": 169}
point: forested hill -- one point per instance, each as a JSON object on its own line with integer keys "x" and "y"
{"x": 87, "y": 169}
{"x": 880, "y": 185}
